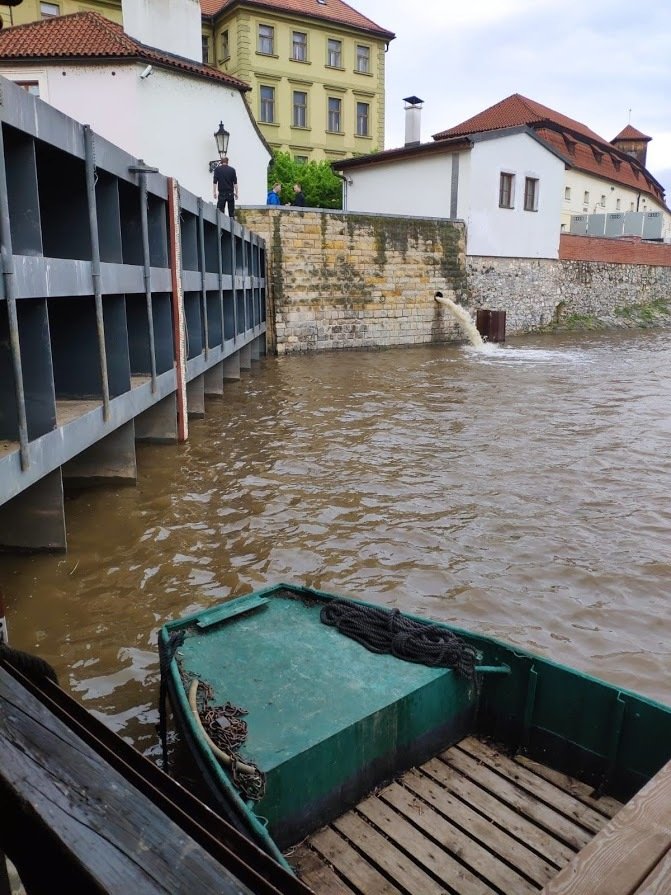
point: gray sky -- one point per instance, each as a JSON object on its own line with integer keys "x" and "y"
{"x": 593, "y": 60}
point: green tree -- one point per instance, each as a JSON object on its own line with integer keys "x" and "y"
{"x": 321, "y": 187}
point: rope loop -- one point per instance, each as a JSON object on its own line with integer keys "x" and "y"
{"x": 388, "y": 631}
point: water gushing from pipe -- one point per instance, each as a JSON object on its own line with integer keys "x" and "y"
{"x": 464, "y": 319}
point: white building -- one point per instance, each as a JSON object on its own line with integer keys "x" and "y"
{"x": 515, "y": 174}
{"x": 158, "y": 103}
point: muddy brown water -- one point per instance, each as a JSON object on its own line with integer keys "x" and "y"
{"x": 522, "y": 491}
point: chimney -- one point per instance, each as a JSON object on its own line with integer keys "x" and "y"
{"x": 413, "y": 116}
{"x": 170, "y": 25}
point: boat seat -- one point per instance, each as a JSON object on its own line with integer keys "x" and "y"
{"x": 632, "y": 853}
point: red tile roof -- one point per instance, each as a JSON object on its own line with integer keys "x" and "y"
{"x": 330, "y": 10}
{"x": 514, "y": 111}
{"x": 630, "y": 133}
{"x": 88, "y": 36}
{"x": 579, "y": 146}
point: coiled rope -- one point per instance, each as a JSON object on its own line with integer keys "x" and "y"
{"x": 32, "y": 666}
{"x": 387, "y": 631}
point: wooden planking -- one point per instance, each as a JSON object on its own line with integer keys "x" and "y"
{"x": 540, "y": 787}
{"x": 658, "y": 882}
{"x": 350, "y": 864}
{"x": 605, "y": 805}
{"x": 397, "y": 866}
{"x": 316, "y": 874}
{"x": 437, "y": 861}
{"x": 454, "y": 841}
{"x": 540, "y": 840}
{"x": 633, "y": 846}
{"x": 84, "y": 818}
{"x": 481, "y": 828}
{"x": 518, "y": 798}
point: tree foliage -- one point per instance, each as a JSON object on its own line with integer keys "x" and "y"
{"x": 321, "y": 187}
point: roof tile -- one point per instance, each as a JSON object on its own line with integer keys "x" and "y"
{"x": 330, "y": 10}
{"x": 90, "y": 36}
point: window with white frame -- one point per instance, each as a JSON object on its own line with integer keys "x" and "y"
{"x": 531, "y": 194}
{"x": 47, "y": 10}
{"x": 362, "y": 58}
{"x": 299, "y": 46}
{"x": 617, "y": 204}
{"x": 334, "y": 53}
{"x": 567, "y": 193}
{"x": 266, "y": 44}
{"x": 603, "y": 201}
{"x": 225, "y": 46}
{"x": 267, "y": 110}
{"x": 362, "y": 111}
{"x": 506, "y": 186}
{"x": 334, "y": 112}
{"x": 206, "y": 50}
{"x": 300, "y": 108}
{"x": 585, "y": 198}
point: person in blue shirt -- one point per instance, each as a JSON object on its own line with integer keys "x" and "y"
{"x": 274, "y": 195}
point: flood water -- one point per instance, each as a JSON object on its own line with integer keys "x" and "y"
{"x": 522, "y": 491}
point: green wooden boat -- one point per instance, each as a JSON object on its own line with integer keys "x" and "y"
{"x": 338, "y": 701}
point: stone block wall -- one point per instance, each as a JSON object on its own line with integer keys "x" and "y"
{"x": 344, "y": 280}
{"x": 359, "y": 281}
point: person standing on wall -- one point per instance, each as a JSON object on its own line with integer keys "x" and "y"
{"x": 274, "y": 195}
{"x": 299, "y": 198}
{"x": 225, "y": 183}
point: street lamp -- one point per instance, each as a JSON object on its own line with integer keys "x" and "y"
{"x": 221, "y": 138}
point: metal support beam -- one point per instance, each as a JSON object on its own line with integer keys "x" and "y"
{"x": 177, "y": 298}
{"x": 159, "y": 423}
{"x": 231, "y": 367}
{"x": 8, "y": 282}
{"x": 245, "y": 357}
{"x": 195, "y": 397}
{"x": 34, "y": 520}
{"x": 144, "y": 221}
{"x": 90, "y": 163}
{"x": 110, "y": 461}
{"x": 214, "y": 380}
{"x": 201, "y": 264}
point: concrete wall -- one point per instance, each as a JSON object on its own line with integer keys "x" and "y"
{"x": 362, "y": 281}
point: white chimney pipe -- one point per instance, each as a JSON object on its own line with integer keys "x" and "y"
{"x": 413, "y": 116}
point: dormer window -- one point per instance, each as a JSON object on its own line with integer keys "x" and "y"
{"x": 598, "y": 155}
{"x": 570, "y": 145}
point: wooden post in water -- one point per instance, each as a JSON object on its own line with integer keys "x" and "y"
{"x": 491, "y": 325}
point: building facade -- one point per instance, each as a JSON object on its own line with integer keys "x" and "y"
{"x": 316, "y": 70}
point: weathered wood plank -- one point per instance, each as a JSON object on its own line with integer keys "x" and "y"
{"x": 117, "y": 838}
{"x": 540, "y": 788}
{"x": 356, "y": 869}
{"x": 605, "y": 805}
{"x": 316, "y": 873}
{"x": 483, "y": 829}
{"x": 409, "y": 877}
{"x": 454, "y": 840}
{"x": 540, "y": 840}
{"x": 627, "y": 850}
{"x": 658, "y": 882}
{"x": 518, "y": 798}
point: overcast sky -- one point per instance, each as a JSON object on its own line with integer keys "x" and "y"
{"x": 593, "y": 60}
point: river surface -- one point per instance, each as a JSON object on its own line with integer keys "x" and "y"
{"x": 522, "y": 491}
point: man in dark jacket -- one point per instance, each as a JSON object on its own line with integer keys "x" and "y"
{"x": 299, "y": 198}
{"x": 225, "y": 182}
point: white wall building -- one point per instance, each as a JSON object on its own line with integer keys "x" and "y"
{"x": 462, "y": 179}
{"x": 157, "y": 106}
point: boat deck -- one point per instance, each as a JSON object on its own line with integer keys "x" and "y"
{"x": 469, "y": 822}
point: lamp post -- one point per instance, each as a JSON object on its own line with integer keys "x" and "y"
{"x": 221, "y": 138}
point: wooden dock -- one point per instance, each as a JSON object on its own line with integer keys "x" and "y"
{"x": 475, "y": 822}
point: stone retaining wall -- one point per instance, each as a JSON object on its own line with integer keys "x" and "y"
{"x": 344, "y": 280}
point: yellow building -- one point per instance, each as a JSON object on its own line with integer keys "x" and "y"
{"x": 316, "y": 67}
